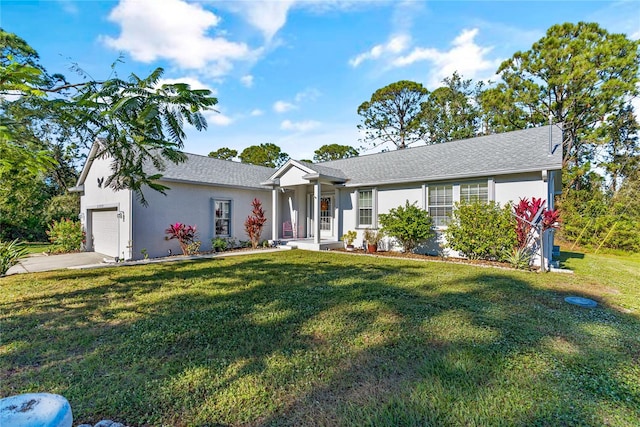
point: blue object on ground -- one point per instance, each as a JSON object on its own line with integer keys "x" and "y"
{"x": 582, "y": 302}
{"x": 35, "y": 410}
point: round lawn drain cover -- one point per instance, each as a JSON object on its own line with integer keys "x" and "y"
{"x": 582, "y": 302}
{"x": 35, "y": 410}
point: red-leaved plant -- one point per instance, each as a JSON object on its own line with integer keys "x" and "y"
{"x": 185, "y": 234}
{"x": 255, "y": 222}
{"x": 525, "y": 212}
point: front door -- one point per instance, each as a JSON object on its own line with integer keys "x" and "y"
{"x": 326, "y": 216}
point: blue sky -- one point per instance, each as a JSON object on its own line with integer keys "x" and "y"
{"x": 294, "y": 72}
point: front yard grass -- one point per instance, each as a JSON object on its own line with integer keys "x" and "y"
{"x": 309, "y": 338}
{"x": 38, "y": 247}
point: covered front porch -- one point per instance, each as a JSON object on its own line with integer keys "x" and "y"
{"x": 306, "y": 204}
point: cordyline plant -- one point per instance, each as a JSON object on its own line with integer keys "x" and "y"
{"x": 185, "y": 234}
{"x": 525, "y": 211}
{"x": 255, "y": 222}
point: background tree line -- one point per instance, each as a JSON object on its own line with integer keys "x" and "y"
{"x": 577, "y": 75}
{"x": 47, "y": 122}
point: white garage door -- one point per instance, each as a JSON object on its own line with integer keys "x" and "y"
{"x": 104, "y": 228}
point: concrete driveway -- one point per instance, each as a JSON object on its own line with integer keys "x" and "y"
{"x": 40, "y": 262}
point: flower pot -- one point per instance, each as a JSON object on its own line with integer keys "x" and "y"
{"x": 350, "y": 248}
{"x": 372, "y": 249}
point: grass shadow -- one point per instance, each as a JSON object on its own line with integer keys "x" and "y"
{"x": 319, "y": 339}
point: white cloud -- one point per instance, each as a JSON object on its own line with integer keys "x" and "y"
{"x": 395, "y": 45}
{"x": 309, "y": 94}
{"x": 267, "y": 16}
{"x": 247, "y": 80}
{"x": 217, "y": 118}
{"x": 465, "y": 56}
{"x": 68, "y": 6}
{"x": 303, "y": 126}
{"x": 283, "y": 106}
{"x": 176, "y": 31}
{"x": 257, "y": 112}
{"x": 193, "y": 82}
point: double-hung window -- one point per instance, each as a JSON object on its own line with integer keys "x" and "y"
{"x": 440, "y": 204}
{"x": 474, "y": 192}
{"x": 222, "y": 217}
{"x": 365, "y": 208}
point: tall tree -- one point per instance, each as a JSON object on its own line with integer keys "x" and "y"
{"x": 139, "y": 121}
{"x": 621, "y": 146}
{"x": 392, "y": 115}
{"x": 450, "y": 112}
{"x": 224, "y": 153}
{"x": 580, "y": 74}
{"x": 268, "y": 155}
{"x": 334, "y": 152}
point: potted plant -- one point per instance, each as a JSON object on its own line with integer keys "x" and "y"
{"x": 348, "y": 238}
{"x": 372, "y": 237}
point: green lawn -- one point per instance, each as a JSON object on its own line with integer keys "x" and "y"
{"x": 38, "y": 248}
{"x": 302, "y": 338}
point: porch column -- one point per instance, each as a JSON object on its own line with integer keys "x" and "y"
{"x": 337, "y": 221}
{"x": 316, "y": 211}
{"x": 274, "y": 220}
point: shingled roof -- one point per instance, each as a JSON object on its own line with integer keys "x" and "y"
{"x": 207, "y": 170}
{"x": 499, "y": 154}
{"x": 511, "y": 152}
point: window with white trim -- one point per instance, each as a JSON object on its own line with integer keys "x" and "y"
{"x": 474, "y": 192}
{"x": 440, "y": 204}
{"x": 222, "y": 217}
{"x": 365, "y": 208}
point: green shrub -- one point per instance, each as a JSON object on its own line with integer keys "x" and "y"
{"x": 62, "y": 206}
{"x": 10, "y": 254}
{"x": 481, "y": 230}
{"x": 219, "y": 244}
{"x": 408, "y": 224}
{"x": 519, "y": 258}
{"x": 349, "y": 237}
{"x": 193, "y": 247}
{"x": 593, "y": 219}
{"x": 66, "y": 236}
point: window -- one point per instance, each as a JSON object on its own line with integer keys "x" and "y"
{"x": 474, "y": 192}
{"x": 222, "y": 217}
{"x": 440, "y": 204}
{"x": 365, "y": 208}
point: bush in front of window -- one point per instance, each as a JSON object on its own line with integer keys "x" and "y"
{"x": 255, "y": 222}
{"x": 219, "y": 244}
{"x": 408, "y": 224}
{"x": 482, "y": 230}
